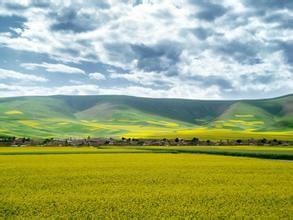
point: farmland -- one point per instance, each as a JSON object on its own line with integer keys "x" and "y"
{"x": 144, "y": 183}
{"x": 47, "y": 128}
{"x": 134, "y": 117}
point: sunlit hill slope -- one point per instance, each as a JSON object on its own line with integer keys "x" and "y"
{"x": 117, "y": 116}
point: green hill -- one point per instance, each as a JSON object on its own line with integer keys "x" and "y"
{"x": 116, "y": 116}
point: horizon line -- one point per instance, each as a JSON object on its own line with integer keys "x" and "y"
{"x": 145, "y": 97}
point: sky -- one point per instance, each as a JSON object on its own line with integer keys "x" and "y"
{"x": 193, "y": 49}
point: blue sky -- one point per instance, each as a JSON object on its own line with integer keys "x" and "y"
{"x": 195, "y": 49}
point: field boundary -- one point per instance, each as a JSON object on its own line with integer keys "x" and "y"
{"x": 162, "y": 150}
{"x": 226, "y": 153}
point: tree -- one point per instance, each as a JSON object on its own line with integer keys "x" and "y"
{"x": 263, "y": 141}
{"x": 194, "y": 140}
{"x": 238, "y": 141}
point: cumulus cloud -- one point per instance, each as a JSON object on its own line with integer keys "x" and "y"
{"x": 16, "y": 90}
{"x": 10, "y": 74}
{"x": 56, "y": 68}
{"x": 97, "y": 76}
{"x": 208, "y": 10}
{"x": 160, "y": 48}
{"x": 89, "y": 89}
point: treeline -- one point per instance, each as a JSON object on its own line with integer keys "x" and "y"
{"x": 14, "y": 141}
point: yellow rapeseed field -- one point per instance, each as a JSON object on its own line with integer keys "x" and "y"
{"x": 128, "y": 184}
{"x": 13, "y": 112}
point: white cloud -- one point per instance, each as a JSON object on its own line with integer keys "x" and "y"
{"x": 17, "y": 90}
{"x": 183, "y": 91}
{"x": 90, "y": 89}
{"x": 144, "y": 78}
{"x": 240, "y": 49}
{"x": 49, "y": 67}
{"x": 97, "y": 76}
{"x": 10, "y": 74}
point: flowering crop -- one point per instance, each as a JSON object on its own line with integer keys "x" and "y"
{"x": 127, "y": 185}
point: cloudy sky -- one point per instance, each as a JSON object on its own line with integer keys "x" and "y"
{"x": 198, "y": 49}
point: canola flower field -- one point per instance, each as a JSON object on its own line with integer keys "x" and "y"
{"x": 145, "y": 183}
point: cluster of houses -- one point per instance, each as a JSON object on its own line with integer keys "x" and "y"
{"x": 13, "y": 141}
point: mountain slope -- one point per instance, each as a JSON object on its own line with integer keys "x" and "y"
{"x": 116, "y": 116}
{"x": 177, "y": 109}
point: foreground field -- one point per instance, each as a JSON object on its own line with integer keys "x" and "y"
{"x": 137, "y": 183}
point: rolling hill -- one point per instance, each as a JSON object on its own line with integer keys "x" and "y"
{"x": 116, "y": 116}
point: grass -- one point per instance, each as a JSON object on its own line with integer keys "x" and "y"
{"x": 65, "y": 128}
{"x": 126, "y": 183}
{"x": 68, "y": 150}
{"x": 282, "y": 153}
{"x": 117, "y": 116}
{"x": 13, "y": 112}
{"x": 204, "y": 133}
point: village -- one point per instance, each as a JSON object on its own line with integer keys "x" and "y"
{"x": 14, "y": 141}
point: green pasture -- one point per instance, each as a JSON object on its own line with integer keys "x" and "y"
{"x": 152, "y": 128}
{"x": 118, "y": 116}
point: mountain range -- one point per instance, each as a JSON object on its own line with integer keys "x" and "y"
{"x": 125, "y": 116}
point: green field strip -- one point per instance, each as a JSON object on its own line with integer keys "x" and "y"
{"x": 265, "y": 154}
